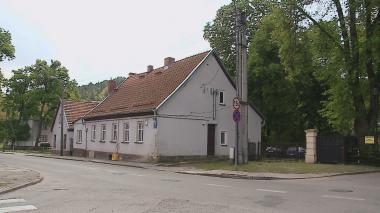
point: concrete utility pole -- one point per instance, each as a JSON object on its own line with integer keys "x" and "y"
{"x": 242, "y": 88}
{"x": 62, "y": 106}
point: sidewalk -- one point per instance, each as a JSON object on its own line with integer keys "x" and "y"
{"x": 214, "y": 173}
{"x": 12, "y": 178}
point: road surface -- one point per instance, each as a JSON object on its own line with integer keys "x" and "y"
{"x": 74, "y": 186}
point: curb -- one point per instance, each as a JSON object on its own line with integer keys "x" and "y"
{"x": 22, "y": 186}
{"x": 88, "y": 160}
{"x": 248, "y": 177}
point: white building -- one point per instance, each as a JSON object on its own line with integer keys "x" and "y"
{"x": 73, "y": 110}
{"x": 183, "y": 109}
{"x": 45, "y": 135}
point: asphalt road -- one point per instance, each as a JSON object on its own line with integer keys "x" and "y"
{"x": 72, "y": 186}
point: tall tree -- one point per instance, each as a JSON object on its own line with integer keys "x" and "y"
{"x": 221, "y": 31}
{"x": 357, "y": 43}
{"x": 7, "y": 50}
{"x": 47, "y": 81}
{"x": 18, "y": 105}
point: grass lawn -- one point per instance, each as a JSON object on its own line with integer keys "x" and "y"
{"x": 285, "y": 167}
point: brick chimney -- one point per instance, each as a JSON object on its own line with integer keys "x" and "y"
{"x": 149, "y": 68}
{"x": 111, "y": 87}
{"x": 168, "y": 61}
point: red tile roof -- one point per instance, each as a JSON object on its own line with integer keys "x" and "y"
{"x": 74, "y": 110}
{"x": 141, "y": 93}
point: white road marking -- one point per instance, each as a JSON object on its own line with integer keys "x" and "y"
{"x": 17, "y": 208}
{"x": 345, "y": 198}
{"x": 12, "y": 200}
{"x": 268, "y": 190}
{"x": 217, "y": 185}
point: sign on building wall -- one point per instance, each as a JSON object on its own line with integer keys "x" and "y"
{"x": 369, "y": 140}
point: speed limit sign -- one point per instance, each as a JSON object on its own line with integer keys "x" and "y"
{"x": 236, "y": 103}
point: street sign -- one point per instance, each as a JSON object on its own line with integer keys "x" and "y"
{"x": 236, "y": 103}
{"x": 369, "y": 140}
{"x": 236, "y": 116}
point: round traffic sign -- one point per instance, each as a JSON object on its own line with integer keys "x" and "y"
{"x": 236, "y": 103}
{"x": 236, "y": 116}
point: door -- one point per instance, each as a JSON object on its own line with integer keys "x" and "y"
{"x": 210, "y": 139}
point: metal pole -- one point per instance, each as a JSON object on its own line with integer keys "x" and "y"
{"x": 62, "y": 106}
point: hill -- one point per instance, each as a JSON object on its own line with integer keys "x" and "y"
{"x": 97, "y": 91}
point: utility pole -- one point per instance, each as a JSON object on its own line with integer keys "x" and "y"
{"x": 62, "y": 106}
{"x": 241, "y": 89}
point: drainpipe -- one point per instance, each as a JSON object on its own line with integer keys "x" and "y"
{"x": 85, "y": 149}
{"x": 155, "y": 126}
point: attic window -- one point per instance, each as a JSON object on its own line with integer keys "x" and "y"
{"x": 221, "y": 97}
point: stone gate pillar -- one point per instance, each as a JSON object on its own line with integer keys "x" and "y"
{"x": 311, "y": 146}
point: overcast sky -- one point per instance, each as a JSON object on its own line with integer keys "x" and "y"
{"x": 98, "y": 40}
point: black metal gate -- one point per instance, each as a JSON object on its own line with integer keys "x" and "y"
{"x": 336, "y": 149}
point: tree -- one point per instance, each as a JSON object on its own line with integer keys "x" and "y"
{"x": 221, "y": 31}
{"x": 7, "y": 50}
{"x": 18, "y": 106}
{"x": 357, "y": 45}
{"x": 46, "y": 83}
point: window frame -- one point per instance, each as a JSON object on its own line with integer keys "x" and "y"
{"x": 222, "y": 94}
{"x": 65, "y": 141}
{"x": 125, "y": 130}
{"x": 225, "y": 132}
{"x": 138, "y": 132}
{"x": 79, "y": 136}
{"x": 93, "y": 132}
{"x": 114, "y": 132}
{"x": 103, "y": 132}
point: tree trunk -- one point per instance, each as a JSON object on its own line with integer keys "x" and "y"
{"x": 39, "y": 128}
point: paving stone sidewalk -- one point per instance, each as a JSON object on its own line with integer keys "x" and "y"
{"x": 12, "y": 178}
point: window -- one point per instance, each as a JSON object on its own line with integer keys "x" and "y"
{"x": 79, "y": 136}
{"x": 126, "y": 132}
{"x": 43, "y": 138}
{"x": 93, "y": 132}
{"x": 104, "y": 132}
{"x": 114, "y": 132}
{"x": 221, "y": 97}
{"x": 55, "y": 141}
{"x": 223, "y": 138}
{"x": 140, "y": 131}
{"x": 64, "y": 141}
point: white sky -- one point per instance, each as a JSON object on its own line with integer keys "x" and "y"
{"x": 97, "y": 40}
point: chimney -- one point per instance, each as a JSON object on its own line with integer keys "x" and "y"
{"x": 111, "y": 87}
{"x": 168, "y": 61}
{"x": 149, "y": 68}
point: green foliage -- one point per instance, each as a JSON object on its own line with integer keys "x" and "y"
{"x": 33, "y": 92}
{"x": 97, "y": 91}
{"x": 7, "y": 50}
{"x": 221, "y": 31}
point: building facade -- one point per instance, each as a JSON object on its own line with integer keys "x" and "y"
{"x": 183, "y": 109}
